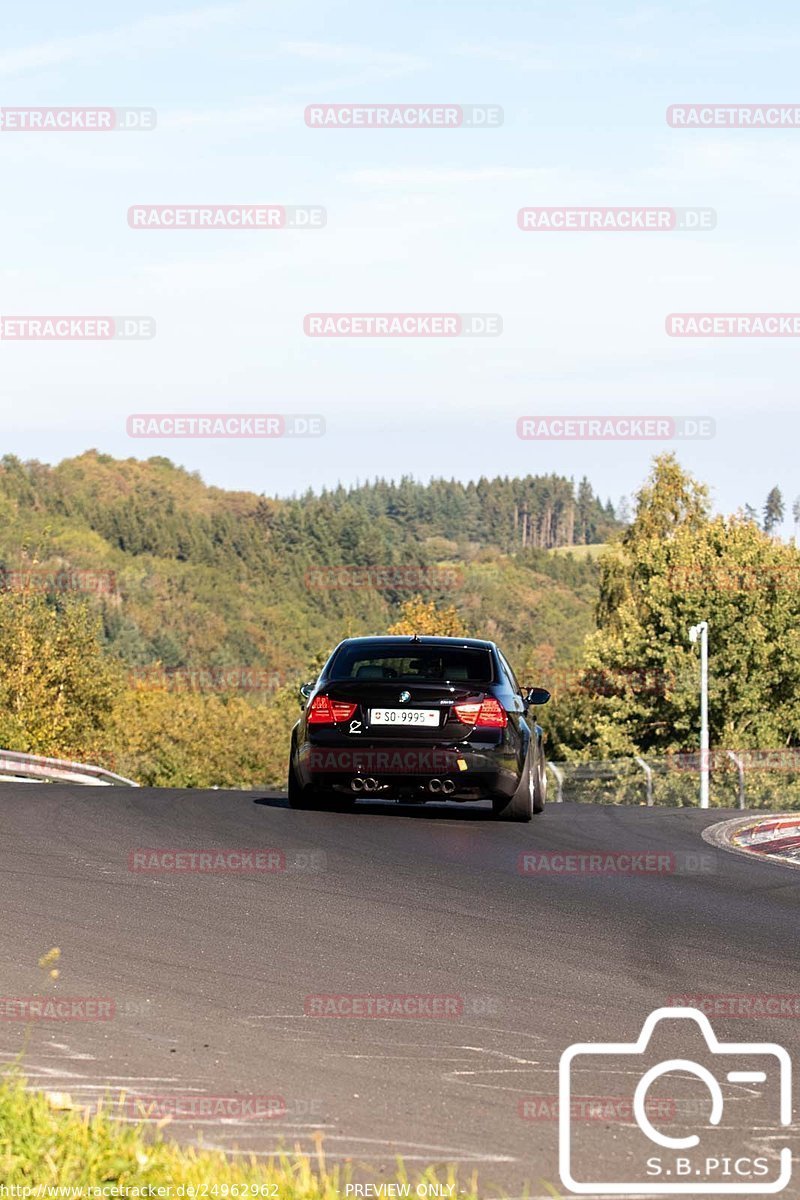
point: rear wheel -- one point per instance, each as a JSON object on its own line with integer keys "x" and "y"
{"x": 521, "y": 805}
{"x": 540, "y": 784}
{"x": 313, "y": 798}
{"x": 299, "y": 797}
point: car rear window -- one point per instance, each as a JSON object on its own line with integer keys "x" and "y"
{"x": 420, "y": 664}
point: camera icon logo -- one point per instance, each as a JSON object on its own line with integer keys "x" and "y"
{"x": 713, "y": 1153}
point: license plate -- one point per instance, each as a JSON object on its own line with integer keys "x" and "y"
{"x": 404, "y": 716}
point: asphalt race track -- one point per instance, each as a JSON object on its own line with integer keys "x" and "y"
{"x": 209, "y": 974}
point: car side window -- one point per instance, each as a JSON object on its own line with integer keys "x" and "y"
{"x": 511, "y": 676}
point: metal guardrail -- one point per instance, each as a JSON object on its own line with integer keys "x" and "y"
{"x": 30, "y": 768}
{"x": 559, "y": 778}
{"x": 744, "y": 778}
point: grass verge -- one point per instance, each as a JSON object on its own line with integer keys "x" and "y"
{"x": 45, "y": 1141}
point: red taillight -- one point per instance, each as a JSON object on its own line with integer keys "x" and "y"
{"x": 324, "y": 711}
{"x": 489, "y": 714}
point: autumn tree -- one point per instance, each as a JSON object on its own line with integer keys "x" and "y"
{"x": 57, "y": 686}
{"x": 424, "y": 618}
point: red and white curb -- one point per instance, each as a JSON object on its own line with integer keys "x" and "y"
{"x": 774, "y": 838}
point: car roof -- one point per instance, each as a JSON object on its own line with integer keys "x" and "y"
{"x": 424, "y": 640}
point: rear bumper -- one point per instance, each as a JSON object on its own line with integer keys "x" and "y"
{"x": 476, "y": 771}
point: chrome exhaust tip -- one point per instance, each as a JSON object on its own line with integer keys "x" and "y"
{"x": 448, "y": 786}
{"x": 435, "y": 785}
{"x": 371, "y": 785}
{"x": 357, "y": 785}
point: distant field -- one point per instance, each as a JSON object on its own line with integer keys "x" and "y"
{"x": 590, "y": 551}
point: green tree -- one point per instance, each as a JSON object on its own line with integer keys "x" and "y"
{"x": 675, "y": 567}
{"x": 585, "y": 523}
{"x": 669, "y": 501}
{"x": 773, "y": 510}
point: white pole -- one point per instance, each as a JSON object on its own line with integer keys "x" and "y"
{"x": 704, "y": 714}
{"x": 648, "y": 775}
{"x": 702, "y": 631}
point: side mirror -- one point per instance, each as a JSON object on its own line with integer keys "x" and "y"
{"x": 305, "y": 691}
{"x": 537, "y": 695}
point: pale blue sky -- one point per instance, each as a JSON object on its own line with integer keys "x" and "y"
{"x": 417, "y": 221}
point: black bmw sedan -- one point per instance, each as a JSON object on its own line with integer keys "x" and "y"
{"x": 416, "y": 719}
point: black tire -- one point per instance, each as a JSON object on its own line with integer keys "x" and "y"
{"x": 540, "y": 784}
{"x": 299, "y": 797}
{"x": 520, "y": 806}
{"x": 313, "y": 798}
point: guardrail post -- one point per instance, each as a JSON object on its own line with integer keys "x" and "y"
{"x": 559, "y": 774}
{"x": 740, "y": 769}
{"x": 648, "y": 774}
